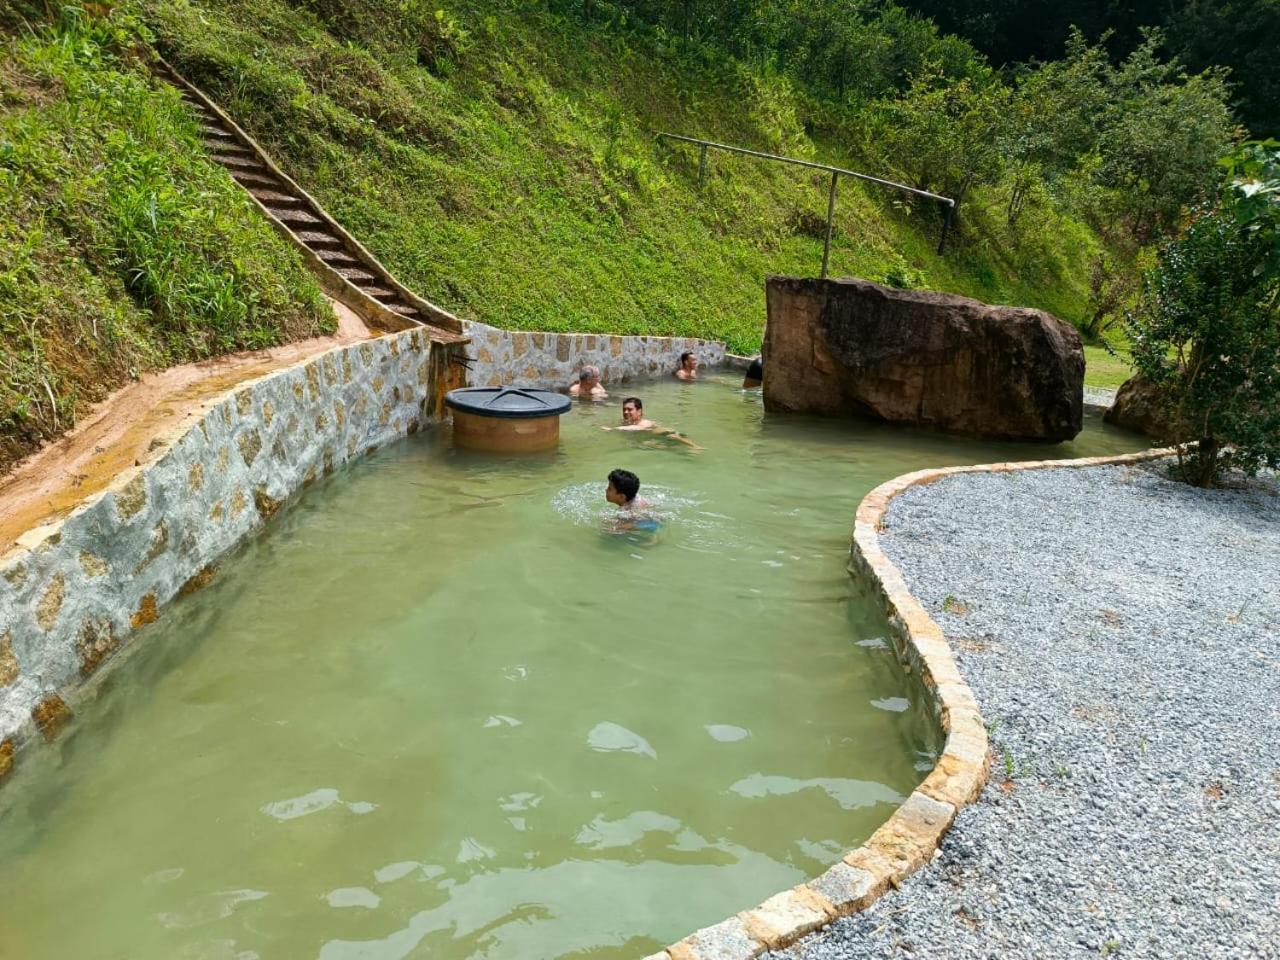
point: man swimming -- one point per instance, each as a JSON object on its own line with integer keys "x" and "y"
{"x": 588, "y": 386}
{"x": 633, "y": 417}
{"x": 688, "y": 369}
{"x": 755, "y": 374}
{"x": 634, "y": 421}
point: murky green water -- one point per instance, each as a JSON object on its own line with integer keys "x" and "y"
{"x": 439, "y": 712}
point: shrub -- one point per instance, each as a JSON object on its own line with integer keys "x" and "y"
{"x": 1206, "y": 332}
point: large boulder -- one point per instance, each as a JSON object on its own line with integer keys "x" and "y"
{"x": 935, "y": 360}
{"x": 1138, "y": 406}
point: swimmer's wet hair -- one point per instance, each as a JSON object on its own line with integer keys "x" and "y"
{"x": 625, "y": 482}
{"x": 685, "y": 356}
{"x": 588, "y": 373}
{"x": 636, "y": 400}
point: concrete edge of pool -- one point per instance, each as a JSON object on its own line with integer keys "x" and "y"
{"x": 912, "y": 834}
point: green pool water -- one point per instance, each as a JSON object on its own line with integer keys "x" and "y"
{"x": 440, "y": 710}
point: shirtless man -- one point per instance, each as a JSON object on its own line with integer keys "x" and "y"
{"x": 634, "y": 421}
{"x": 688, "y": 369}
{"x": 588, "y": 386}
{"x": 633, "y": 417}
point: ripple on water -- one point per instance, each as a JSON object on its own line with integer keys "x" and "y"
{"x": 353, "y": 897}
{"x": 584, "y": 504}
{"x": 612, "y": 738}
{"x": 314, "y": 802}
{"x": 727, "y": 732}
{"x": 850, "y": 794}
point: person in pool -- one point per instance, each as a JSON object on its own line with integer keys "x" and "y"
{"x": 755, "y": 374}
{"x": 635, "y": 514}
{"x": 634, "y": 420}
{"x": 588, "y": 386}
{"x": 688, "y": 369}
{"x": 623, "y": 491}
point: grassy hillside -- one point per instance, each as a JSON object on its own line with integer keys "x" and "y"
{"x": 503, "y": 161}
{"x": 499, "y": 158}
{"x": 122, "y": 249}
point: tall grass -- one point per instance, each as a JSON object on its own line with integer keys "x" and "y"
{"x": 122, "y": 246}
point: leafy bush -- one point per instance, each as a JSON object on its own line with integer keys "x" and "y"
{"x": 1206, "y": 330}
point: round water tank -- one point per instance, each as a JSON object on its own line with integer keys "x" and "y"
{"x": 506, "y": 419}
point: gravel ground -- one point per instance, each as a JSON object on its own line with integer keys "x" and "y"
{"x": 1122, "y": 635}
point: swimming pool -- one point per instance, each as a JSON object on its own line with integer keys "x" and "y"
{"x": 441, "y": 708}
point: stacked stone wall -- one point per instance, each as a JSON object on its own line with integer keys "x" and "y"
{"x": 74, "y": 591}
{"x": 551, "y": 361}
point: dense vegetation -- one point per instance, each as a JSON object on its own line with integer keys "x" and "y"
{"x": 1206, "y": 331}
{"x": 500, "y": 157}
{"x": 1242, "y": 35}
{"x": 122, "y": 248}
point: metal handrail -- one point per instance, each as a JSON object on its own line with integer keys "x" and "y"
{"x": 836, "y": 174}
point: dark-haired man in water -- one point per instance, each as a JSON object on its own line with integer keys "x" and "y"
{"x": 634, "y": 420}
{"x": 688, "y": 369}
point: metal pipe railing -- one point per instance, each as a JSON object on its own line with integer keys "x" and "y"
{"x": 836, "y": 174}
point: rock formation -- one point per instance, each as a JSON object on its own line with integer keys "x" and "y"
{"x": 933, "y": 360}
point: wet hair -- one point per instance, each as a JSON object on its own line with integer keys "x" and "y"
{"x": 625, "y": 482}
{"x": 636, "y": 400}
{"x": 588, "y": 373}
{"x": 685, "y": 356}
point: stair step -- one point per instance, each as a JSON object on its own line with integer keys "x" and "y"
{"x": 216, "y": 144}
{"x": 242, "y": 163}
{"x": 319, "y": 241}
{"x": 276, "y": 199}
{"x": 356, "y": 275}
{"x": 229, "y": 148}
{"x": 384, "y": 295}
{"x": 215, "y": 131}
{"x": 293, "y": 216}
{"x": 339, "y": 259}
{"x": 251, "y": 180}
{"x": 403, "y": 309}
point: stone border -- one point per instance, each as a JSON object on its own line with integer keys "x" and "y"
{"x": 75, "y": 590}
{"x": 911, "y": 836}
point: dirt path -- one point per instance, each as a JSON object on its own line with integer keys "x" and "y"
{"x": 117, "y": 432}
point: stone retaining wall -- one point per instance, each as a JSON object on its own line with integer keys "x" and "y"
{"x": 551, "y": 360}
{"x": 75, "y": 590}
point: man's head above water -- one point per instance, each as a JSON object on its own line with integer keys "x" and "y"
{"x": 632, "y": 411}
{"x": 623, "y": 487}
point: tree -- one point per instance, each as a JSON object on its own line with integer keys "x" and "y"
{"x": 1206, "y": 330}
{"x": 1162, "y": 135}
{"x": 1053, "y": 119}
{"x": 945, "y": 135}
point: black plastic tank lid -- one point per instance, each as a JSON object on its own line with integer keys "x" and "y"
{"x": 509, "y": 403}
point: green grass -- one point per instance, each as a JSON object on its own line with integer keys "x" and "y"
{"x": 498, "y": 159}
{"x": 122, "y": 247}
{"x": 504, "y": 163}
{"x": 1101, "y": 369}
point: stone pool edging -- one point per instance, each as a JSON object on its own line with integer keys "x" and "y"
{"x": 912, "y": 835}
{"x": 75, "y": 590}
{"x": 551, "y": 361}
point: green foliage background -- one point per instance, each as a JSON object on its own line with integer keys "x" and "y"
{"x": 122, "y": 247}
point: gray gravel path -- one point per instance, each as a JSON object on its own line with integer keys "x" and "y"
{"x": 1122, "y": 635}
